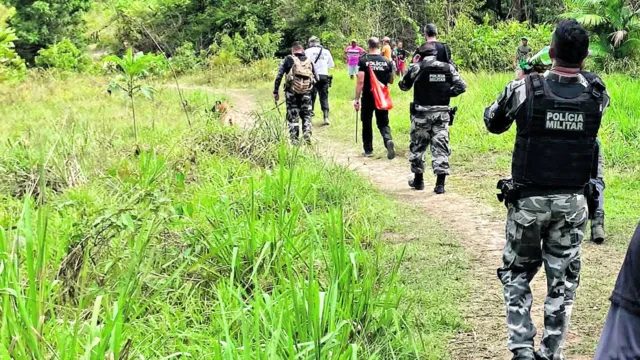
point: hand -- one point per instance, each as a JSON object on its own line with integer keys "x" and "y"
{"x": 356, "y": 105}
{"x": 416, "y": 59}
{"x": 276, "y": 96}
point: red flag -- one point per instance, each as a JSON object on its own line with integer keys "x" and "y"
{"x": 380, "y": 92}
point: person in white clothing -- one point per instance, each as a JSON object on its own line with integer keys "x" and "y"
{"x": 323, "y": 61}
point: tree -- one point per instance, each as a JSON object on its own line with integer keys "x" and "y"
{"x": 44, "y": 22}
{"x": 11, "y": 64}
{"x": 133, "y": 69}
{"x": 616, "y": 24}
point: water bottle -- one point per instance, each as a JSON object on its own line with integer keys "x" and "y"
{"x": 542, "y": 58}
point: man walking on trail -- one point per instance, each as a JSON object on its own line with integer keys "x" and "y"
{"x": 300, "y": 79}
{"x": 443, "y": 50}
{"x": 387, "y": 52}
{"x": 322, "y": 61}
{"x": 435, "y": 83}
{"x": 365, "y": 103}
{"x": 620, "y": 339}
{"x": 557, "y": 116}
{"x": 353, "y": 53}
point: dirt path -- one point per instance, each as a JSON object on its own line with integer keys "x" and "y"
{"x": 468, "y": 220}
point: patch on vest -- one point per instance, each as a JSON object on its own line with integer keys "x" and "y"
{"x": 437, "y": 78}
{"x": 565, "y": 120}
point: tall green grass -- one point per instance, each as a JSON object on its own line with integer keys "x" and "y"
{"x": 210, "y": 243}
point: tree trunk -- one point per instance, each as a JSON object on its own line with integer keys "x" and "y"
{"x": 517, "y": 10}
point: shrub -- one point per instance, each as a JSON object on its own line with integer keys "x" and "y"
{"x": 11, "y": 65}
{"x": 492, "y": 47}
{"x": 224, "y": 60}
{"x": 185, "y": 60}
{"x": 64, "y": 56}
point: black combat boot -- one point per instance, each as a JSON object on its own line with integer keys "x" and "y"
{"x": 523, "y": 354}
{"x": 439, "y": 189}
{"x": 326, "y": 118}
{"x": 417, "y": 182}
{"x": 597, "y": 227}
{"x": 391, "y": 150}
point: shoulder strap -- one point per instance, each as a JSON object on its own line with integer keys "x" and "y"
{"x": 536, "y": 82}
{"x": 319, "y": 53}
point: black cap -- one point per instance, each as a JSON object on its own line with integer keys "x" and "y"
{"x": 431, "y": 30}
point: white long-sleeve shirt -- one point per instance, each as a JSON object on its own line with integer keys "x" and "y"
{"x": 324, "y": 63}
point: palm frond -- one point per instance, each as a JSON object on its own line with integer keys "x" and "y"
{"x": 617, "y": 37}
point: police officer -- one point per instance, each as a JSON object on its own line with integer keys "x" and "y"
{"x": 443, "y": 50}
{"x": 322, "y": 61}
{"x": 557, "y": 117}
{"x": 300, "y": 79}
{"x": 435, "y": 83}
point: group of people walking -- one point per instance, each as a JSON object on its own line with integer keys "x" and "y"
{"x": 556, "y": 177}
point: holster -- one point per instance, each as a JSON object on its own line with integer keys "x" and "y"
{"x": 452, "y": 115}
{"x": 329, "y": 80}
{"x": 593, "y": 196}
{"x": 509, "y": 193}
{"x": 412, "y": 109}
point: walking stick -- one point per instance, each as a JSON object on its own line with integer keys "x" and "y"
{"x": 357, "y": 126}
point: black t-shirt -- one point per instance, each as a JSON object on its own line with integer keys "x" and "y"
{"x": 626, "y": 294}
{"x": 382, "y": 67}
{"x": 402, "y": 54}
{"x": 444, "y": 52}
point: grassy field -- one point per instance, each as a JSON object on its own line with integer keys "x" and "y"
{"x": 202, "y": 242}
{"x": 480, "y": 158}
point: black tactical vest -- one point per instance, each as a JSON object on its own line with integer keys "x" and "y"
{"x": 433, "y": 85}
{"x": 556, "y": 136}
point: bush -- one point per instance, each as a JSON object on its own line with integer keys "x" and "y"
{"x": 185, "y": 60}
{"x": 11, "y": 65}
{"x": 64, "y": 56}
{"x": 492, "y": 47}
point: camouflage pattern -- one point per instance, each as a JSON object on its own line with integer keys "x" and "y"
{"x": 299, "y": 108}
{"x": 430, "y": 127}
{"x": 542, "y": 230}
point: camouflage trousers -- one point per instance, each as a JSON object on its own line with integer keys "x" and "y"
{"x": 430, "y": 127}
{"x": 299, "y": 108}
{"x": 542, "y": 230}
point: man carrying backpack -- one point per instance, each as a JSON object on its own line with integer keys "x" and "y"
{"x": 300, "y": 79}
{"x": 382, "y": 69}
{"x": 322, "y": 61}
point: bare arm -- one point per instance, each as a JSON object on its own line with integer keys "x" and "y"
{"x": 359, "y": 85}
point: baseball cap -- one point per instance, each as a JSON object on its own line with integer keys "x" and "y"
{"x": 524, "y": 38}
{"x": 314, "y": 39}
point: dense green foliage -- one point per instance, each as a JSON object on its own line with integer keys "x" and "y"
{"x": 64, "y": 56}
{"x": 490, "y": 47}
{"x": 616, "y": 24}
{"x": 11, "y": 65}
{"x": 45, "y": 22}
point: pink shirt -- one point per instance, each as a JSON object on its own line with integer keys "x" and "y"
{"x": 353, "y": 54}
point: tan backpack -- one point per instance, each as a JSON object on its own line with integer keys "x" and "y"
{"x": 301, "y": 79}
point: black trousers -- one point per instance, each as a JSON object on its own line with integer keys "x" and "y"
{"x": 321, "y": 88}
{"x": 620, "y": 339}
{"x": 367, "y": 109}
